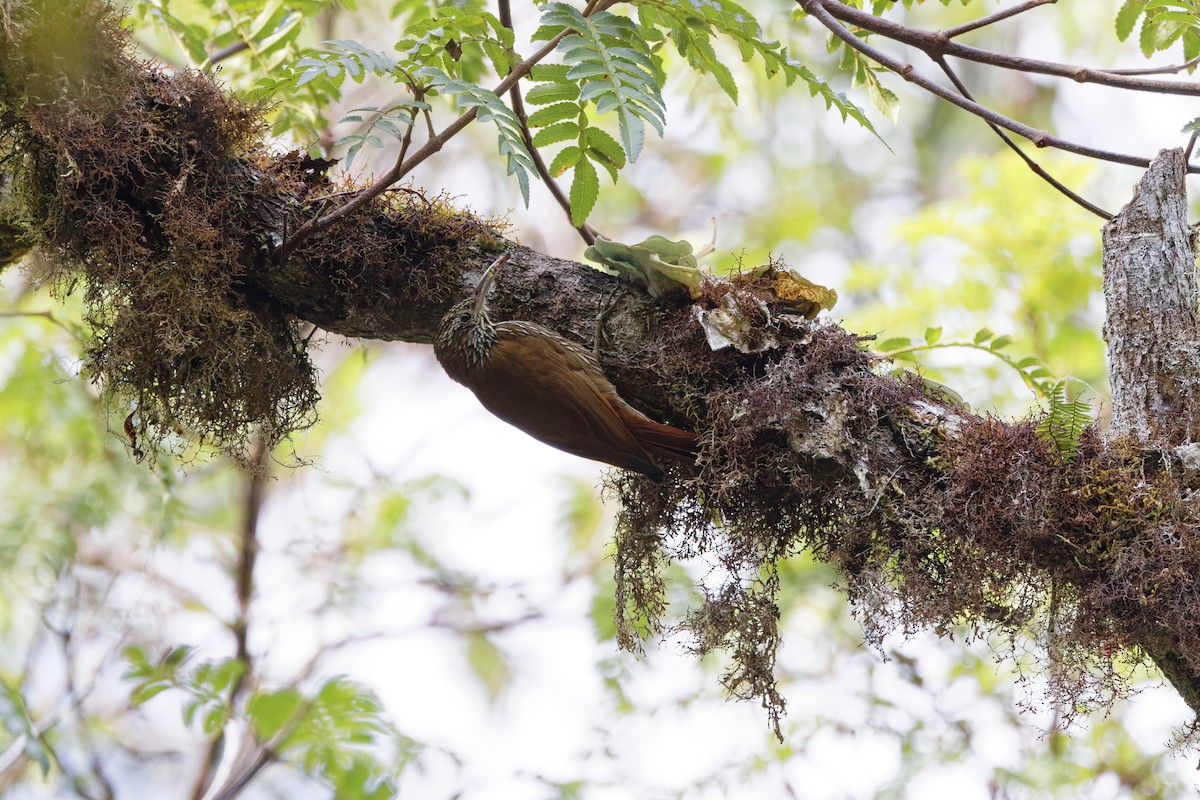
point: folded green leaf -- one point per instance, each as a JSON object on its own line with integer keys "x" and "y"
{"x": 657, "y": 264}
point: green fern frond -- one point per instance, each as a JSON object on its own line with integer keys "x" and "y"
{"x": 1065, "y": 420}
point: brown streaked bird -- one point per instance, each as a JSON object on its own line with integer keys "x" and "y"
{"x": 551, "y": 388}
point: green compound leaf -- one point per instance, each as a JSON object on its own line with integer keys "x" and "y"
{"x": 491, "y": 109}
{"x": 610, "y": 63}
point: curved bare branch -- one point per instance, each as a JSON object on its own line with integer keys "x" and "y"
{"x": 933, "y": 43}
{"x": 820, "y": 10}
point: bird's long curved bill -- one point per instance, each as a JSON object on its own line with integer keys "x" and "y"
{"x": 485, "y": 283}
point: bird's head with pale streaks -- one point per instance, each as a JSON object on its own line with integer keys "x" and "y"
{"x": 467, "y": 332}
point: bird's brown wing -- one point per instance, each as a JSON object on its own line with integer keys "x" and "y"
{"x": 664, "y": 441}
{"x": 553, "y": 391}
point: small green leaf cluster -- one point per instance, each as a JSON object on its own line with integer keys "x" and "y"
{"x": 442, "y": 54}
{"x": 14, "y": 714}
{"x": 693, "y": 24}
{"x": 322, "y": 73}
{"x": 461, "y": 38}
{"x": 1163, "y": 23}
{"x": 345, "y": 58}
{"x": 207, "y": 684}
{"x": 329, "y": 732}
{"x": 393, "y": 120}
{"x": 866, "y": 73}
{"x": 461, "y": 42}
{"x": 262, "y": 39}
{"x": 1067, "y": 415}
{"x": 491, "y": 108}
{"x": 265, "y": 29}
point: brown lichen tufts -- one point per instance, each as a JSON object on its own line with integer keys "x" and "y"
{"x": 364, "y": 272}
{"x": 138, "y": 182}
{"x": 935, "y": 518}
{"x": 150, "y": 190}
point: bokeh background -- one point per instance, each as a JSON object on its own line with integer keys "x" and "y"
{"x": 417, "y": 551}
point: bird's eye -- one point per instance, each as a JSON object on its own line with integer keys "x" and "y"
{"x": 464, "y": 317}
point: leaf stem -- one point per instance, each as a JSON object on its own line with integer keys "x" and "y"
{"x": 518, "y": 106}
{"x": 404, "y": 166}
{"x": 1036, "y": 385}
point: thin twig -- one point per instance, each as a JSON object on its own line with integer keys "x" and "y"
{"x": 68, "y": 704}
{"x": 248, "y": 554}
{"x": 235, "y": 787}
{"x": 1008, "y": 140}
{"x": 49, "y": 316}
{"x": 933, "y": 42}
{"x": 817, "y": 8}
{"x": 1174, "y": 69}
{"x": 227, "y": 52}
{"x": 404, "y": 166}
{"x": 65, "y": 634}
{"x": 408, "y": 132}
{"x": 966, "y": 27}
{"x": 248, "y": 548}
{"x": 518, "y": 106}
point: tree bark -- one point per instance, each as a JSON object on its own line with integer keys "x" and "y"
{"x": 1152, "y": 327}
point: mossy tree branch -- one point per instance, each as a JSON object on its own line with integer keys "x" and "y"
{"x": 154, "y": 194}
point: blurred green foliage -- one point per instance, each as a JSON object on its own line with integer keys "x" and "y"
{"x": 118, "y": 583}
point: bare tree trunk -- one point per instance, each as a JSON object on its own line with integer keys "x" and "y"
{"x": 1153, "y": 333}
{"x": 1152, "y": 327}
